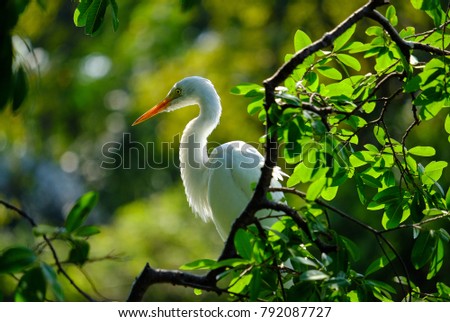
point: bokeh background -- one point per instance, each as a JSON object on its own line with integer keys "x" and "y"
{"x": 86, "y": 91}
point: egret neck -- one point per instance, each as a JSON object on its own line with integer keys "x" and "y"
{"x": 193, "y": 150}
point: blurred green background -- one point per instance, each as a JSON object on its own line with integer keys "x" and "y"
{"x": 86, "y": 91}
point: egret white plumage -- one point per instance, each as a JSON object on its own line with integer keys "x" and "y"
{"x": 219, "y": 186}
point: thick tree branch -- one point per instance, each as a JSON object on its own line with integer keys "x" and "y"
{"x": 327, "y": 39}
{"x": 150, "y": 276}
{"x": 404, "y": 45}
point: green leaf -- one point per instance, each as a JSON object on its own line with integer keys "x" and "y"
{"x": 255, "y": 285}
{"x": 329, "y": 193}
{"x": 379, "y": 263}
{"x": 395, "y": 213}
{"x": 31, "y": 287}
{"x": 447, "y": 124}
{"x": 413, "y": 84}
{"x": 302, "y": 173}
{"x": 243, "y": 244}
{"x": 423, "y": 249}
{"x": 115, "y": 14}
{"x": 433, "y": 171}
{"x": 437, "y": 260}
{"x": 79, "y": 212}
{"x": 95, "y": 16}
{"x": 444, "y": 235}
{"x": 80, "y": 14}
{"x": 351, "y": 247}
{"x": 198, "y": 264}
{"x": 255, "y": 107}
{"x": 329, "y": 72}
{"x": 79, "y": 252}
{"x": 316, "y": 188}
{"x": 381, "y": 290}
{"x": 301, "y": 40}
{"x": 349, "y": 61}
{"x": 87, "y": 231}
{"x": 15, "y": 259}
{"x": 340, "y": 41}
{"x": 371, "y": 181}
{"x": 389, "y": 195}
{"x": 391, "y": 15}
{"x": 248, "y": 89}
{"x": 52, "y": 280}
{"x": 433, "y": 212}
{"x": 313, "y": 275}
{"x": 423, "y": 151}
{"x": 443, "y": 290}
{"x": 379, "y": 134}
{"x": 375, "y": 31}
{"x": 240, "y": 283}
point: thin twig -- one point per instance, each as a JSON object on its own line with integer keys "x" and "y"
{"x": 50, "y": 245}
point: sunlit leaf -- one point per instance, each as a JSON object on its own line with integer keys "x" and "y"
{"x": 437, "y": 259}
{"x": 243, "y": 244}
{"x": 80, "y": 13}
{"x": 79, "y": 212}
{"x": 424, "y": 151}
{"x": 255, "y": 285}
{"x": 240, "y": 283}
{"x": 301, "y": 40}
{"x": 340, "y": 41}
{"x": 379, "y": 263}
{"x": 349, "y": 61}
{"x": 329, "y": 72}
{"x": 391, "y": 15}
{"x": 389, "y": 195}
{"x": 316, "y": 188}
{"x": 198, "y": 264}
{"x": 394, "y": 214}
{"x": 433, "y": 171}
{"x": 248, "y": 89}
{"x": 447, "y": 124}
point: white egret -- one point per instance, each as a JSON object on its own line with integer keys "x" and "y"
{"x": 219, "y": 186}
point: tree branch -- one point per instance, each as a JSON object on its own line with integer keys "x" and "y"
{"x": 404, "y": 45}
{"x": 327, "y": 39}
{"x": 150, "y": 276}
{"x": 50, "y": 245}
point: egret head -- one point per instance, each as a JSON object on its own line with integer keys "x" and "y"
{"x": 188, "y": 91}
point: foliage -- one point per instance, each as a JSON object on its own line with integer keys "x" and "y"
{"x": 90, "y": 14}
{"x": 347, "y": 120}
{"x": 332, "y": 123}
{"x": 38, "y": 279}
{"x": 13, "y": 80}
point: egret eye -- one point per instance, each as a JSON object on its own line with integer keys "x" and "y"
{"x": 178, "y": 91}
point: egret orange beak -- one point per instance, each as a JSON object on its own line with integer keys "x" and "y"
{"x": 153, "y": 111}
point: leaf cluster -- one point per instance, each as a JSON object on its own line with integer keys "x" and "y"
{"x": 35, "y": 275}
{"x": 330, "y": 120}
